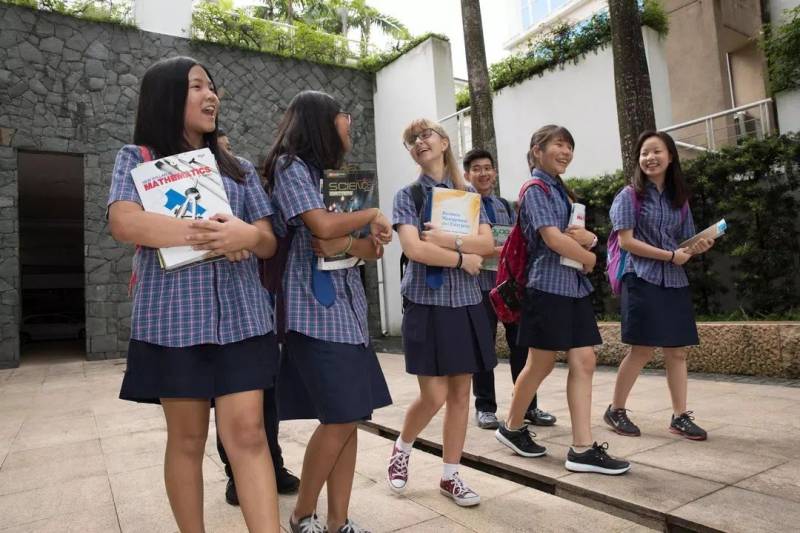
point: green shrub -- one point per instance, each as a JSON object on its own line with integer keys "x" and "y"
{"x": 375, "y": 62}
{"x": 756, "y": 187}
{"x": 116, "y": 13}
{"x": 782, "y": 47}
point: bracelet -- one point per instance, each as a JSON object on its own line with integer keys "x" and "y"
{"x": 460, "y": 260}
{"x": 594, "y": 243}
{"x": 671, "y": 259}
{"x": 349, "y": 245}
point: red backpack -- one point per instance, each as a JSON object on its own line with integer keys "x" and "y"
{"x": 512, "y": 268}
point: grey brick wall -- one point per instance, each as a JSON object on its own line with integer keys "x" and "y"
{"x": 68, "y": 85}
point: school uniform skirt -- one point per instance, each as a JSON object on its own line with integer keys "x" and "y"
{"x": 557, "y": 323}
{"x": 334, "y": 382}
{"x": 204, "y": 371}
{"x": 653, "y": 315}
{"x": 445, "y": 341}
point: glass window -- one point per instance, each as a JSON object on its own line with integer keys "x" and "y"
{"x": 535, "y": 11}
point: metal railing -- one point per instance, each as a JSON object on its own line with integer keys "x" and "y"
{"x": 725, "y": 128}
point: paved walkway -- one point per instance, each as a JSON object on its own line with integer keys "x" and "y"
{"x": 75, "y": 458}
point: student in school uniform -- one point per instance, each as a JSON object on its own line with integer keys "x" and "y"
{"x": 286, "y": 482}
{"x": 557, "y": 311}
{"x": 329, "y": 370}
{"x": 656, "y": 302}
{"x": 479, "y": 170}
{"x": 446, "y": 335}
{"x": 201, "y": 334}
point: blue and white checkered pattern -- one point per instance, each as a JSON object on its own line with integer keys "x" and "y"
{"x": 487, "y": 278}
{"x": 297, "y": 190}
{"x": 213, "y": 303}
{"x": 659, "y": 225}
{"x": 459, "y": 289}
{"x": 545, "y": 271}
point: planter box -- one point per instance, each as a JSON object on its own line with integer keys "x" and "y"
{"x": 748, "y": 348}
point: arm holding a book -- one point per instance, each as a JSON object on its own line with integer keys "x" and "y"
{"x": 130, "y": 223}
{"x": 481, "y": 244}
{"x": 432, "y": 254}
{"x": 230, "y": 236}
{"x": 367, "y": 248}
{"x": 566, "y": 246}
{"x": 327, "y": 225}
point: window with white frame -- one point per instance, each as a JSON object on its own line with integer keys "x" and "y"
{"x": 535, "y": 11}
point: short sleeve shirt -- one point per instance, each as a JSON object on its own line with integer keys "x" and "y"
{"x": 212, "y": 303}
{"x": 458, "y": 289}
{"x": 540, "y": 209}
{"x": 505, "y": 217}
{"x": 659, "y": 224}
{"x": 297, "y": 190}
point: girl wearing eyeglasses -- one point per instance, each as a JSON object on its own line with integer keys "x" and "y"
{"x": 446, "y": 333}
{"x": 329, "y": 371}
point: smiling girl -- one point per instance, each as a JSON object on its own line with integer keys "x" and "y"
{"x": 656, "y": 303}
{"x": 557, "y": 311}
{"x": 203, "y": 333}
{"x": 446, "y": 334}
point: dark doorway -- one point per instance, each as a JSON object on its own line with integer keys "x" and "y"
{"x": 51, "y": 255}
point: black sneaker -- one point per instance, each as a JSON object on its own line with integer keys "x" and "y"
{"x": 620, "y": 423}
{"x": 520, "y": 441}
{"x": 287, "y": 482}
{"x": 537, "y": 417}
{"x": 684, "y": 426}
{"x": 230, "y": 493}
{"x": 596, "y": 460}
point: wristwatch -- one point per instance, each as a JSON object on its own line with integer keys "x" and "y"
{"x": 459, "y": 244}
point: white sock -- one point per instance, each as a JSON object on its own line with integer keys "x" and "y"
{"x": 449, "y": 470}
{"x": 580, "y": 449}
{"x": 405, "y": 446}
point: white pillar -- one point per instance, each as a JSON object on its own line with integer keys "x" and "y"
{"x": 418, "y": 84}
{"x": 170, "y": 18}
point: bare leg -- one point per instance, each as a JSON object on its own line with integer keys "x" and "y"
{"x": 432, "y": 395}
{"x": 455, "y": 417}
{"x": 240, "y": 421}
{"x": 677, "y": 377}
{"x": 323, "y": 451}
{"x": 539, "y": 365}
{"x": 579, "y": 393}
{"x": 628, "y": 372}
{"x": 340, "y": 482}
{"x": 187, "y": 431}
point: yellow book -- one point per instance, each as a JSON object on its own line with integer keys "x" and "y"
{"x": 454, "y": 210}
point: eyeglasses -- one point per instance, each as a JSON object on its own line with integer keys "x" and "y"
{"x": 410, "y": 141}
{"x": 348, "y": 115}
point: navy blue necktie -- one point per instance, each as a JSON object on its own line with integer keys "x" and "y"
{"x": 322, "y": 284}
{"x": 434, "y": 276}
{"x": 488, "y": 206}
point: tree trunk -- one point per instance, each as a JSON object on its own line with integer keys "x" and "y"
{"x": 631, "y": 79}
{"x": 480, "y": 91}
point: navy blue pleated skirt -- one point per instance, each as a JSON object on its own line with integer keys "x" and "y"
{"x": 334, "y": 382}
{"x": 557, "y": 323}
{"x": 446, "y": 341}
{"x": 204, "y": 371}
{"x": 656, "y": 316}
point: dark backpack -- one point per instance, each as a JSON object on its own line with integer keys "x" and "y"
{"x": 418, "y": 196}
{"x": 507, "y": 295}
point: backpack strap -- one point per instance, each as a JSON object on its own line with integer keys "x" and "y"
{"x": 506, "y": 204}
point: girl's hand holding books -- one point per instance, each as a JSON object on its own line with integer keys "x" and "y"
{"x": 471, "y": 264}
{"x": 581, "y": 235}
{"x": 223, "y": 234}
{"x": 329, "y": 247}
{"x": 701, "y": 246}
{"x": 381, "y": 228}
{"x": 682, "y": 255}
{"x": 434, "y": 235}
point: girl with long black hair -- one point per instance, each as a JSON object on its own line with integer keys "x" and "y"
{"x": 202, "y": 334}
{"x": 329, "y": 370}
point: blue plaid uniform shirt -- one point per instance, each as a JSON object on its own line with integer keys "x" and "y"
{"x": 297, "y": 190}
{"x": 459, "y": 289}
{"x": 487, "y": 278}
{"x": 213, "y": 303}
{"x": 545, "y": 271}
{"x": 659, "y": 224}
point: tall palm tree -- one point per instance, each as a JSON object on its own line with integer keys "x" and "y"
{"x": 631, "y": 79}
{"x": 480, "y": 90}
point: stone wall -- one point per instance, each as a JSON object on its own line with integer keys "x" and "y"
{"x": 768, "y": 349}
{"x": 68, "y": 85}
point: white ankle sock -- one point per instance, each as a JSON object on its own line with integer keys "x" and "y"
{"x": 580, "y": 449}
{"x": 449, "y": 470}
{"x": 405, "y": 446}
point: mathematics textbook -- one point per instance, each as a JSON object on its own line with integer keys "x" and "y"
{"x": 185, "y": 186}
{"x": 454, "y": 210}
{"x": 345, "y": 191}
